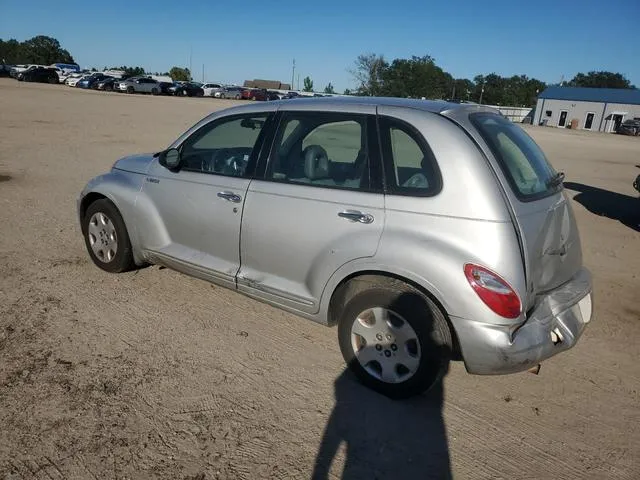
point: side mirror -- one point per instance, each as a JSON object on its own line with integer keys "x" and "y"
{"x": 170, "y": 159}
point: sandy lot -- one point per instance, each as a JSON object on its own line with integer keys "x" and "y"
{"x": 152, "y": 374}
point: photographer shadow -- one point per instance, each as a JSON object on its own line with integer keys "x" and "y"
{"x": 385, "y": 438}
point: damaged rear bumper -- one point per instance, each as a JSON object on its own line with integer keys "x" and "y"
{"x": 555, "y": 325}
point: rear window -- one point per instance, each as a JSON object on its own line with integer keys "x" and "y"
{"x": 521, "y": 159}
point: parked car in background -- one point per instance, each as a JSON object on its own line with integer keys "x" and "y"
{"x": 139, "y": 85}
{"x": 290, "y": 95}
{"x": 271, "y": 95}
{"x": 39, "y": 74}
{"x": 91, "y": 80}
{"x": 165, "y": 88}
{"x": 17, "y": 69}
{"x": 630, "y": 127}
{"x": 229, "y": 92}
{"x": 453, "y": 239}
{"x": 210, "y": 89}
{"x": 186, "y": 89}
{"x": 106, "y": 83}
{"x": 259, "y": 94}
{"x": 73, "y": 79}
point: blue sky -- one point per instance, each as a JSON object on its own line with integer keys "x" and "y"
{"x": 245, "y": 40}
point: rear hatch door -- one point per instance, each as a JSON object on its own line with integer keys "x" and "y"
{"x": 543, "y": 216}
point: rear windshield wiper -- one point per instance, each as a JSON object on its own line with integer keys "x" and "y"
{"x": 556, "y": 180}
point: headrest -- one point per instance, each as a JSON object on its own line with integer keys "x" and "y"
{"x": 316, "y": 162}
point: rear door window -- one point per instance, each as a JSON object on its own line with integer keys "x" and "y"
{"x": 410, "y": 166}
{"x": 521, "y": 159}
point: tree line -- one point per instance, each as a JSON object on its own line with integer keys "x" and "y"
{"x": 41, "y": 50}
{"x": 419, "y": 77}
{"x": 414, "y": 77}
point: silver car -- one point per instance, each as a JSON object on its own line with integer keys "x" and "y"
{"x": 138, "y": 85}
{"x": 426, "y": 231}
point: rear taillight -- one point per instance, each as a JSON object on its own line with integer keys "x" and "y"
{"x": 494, "y": 291}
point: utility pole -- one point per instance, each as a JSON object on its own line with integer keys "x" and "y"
{"x": 298, "y": 82}
{"x": 203, "y": 73}
{"x": 190, "y": 55}
{"x": 481, "y": 93}
{"x": 293, "y": 73}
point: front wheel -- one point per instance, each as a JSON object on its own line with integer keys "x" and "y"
{"x": 154, "y": 91}
{"x": 130, "y": 90}
{"x": 393, "y": 337}
{"x": 106, "y": 237}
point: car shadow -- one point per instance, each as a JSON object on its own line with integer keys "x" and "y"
{"x": 613, "y": 205}
{"x": 385, "y": 438}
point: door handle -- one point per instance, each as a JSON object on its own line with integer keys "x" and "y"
{"x": 230, "y": 197}
{"x": 356, "y": 216}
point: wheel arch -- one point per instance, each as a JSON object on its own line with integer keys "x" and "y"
{"x": 340, "y": 292}
{"x": 122, "y": 193}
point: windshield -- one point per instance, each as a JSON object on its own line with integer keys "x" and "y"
{"x": 521, "y": 159}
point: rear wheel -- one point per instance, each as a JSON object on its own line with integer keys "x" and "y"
{"x": 106, "y": 237}
{"x": 154, "y": 91}
{"x": 108, "y": 88}
{"x": 53, "y": 80}
{"x": 393, "y": 337}
{"x": 237, "y": 97}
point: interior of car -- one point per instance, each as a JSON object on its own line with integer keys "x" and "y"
{"x": 297, "y": 160}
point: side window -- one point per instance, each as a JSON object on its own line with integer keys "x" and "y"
{"x": 410, "y": 166}
{"x": 223, "y": 147}
{"x": 321, "y": 149}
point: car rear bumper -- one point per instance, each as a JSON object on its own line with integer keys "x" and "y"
{"x": 555, "y": 325}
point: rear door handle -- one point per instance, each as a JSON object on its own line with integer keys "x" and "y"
{"x": 230, "y": 197}
{"x": 356, "y": 216}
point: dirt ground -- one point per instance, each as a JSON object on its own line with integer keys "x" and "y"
{"x": 152, "y": 374}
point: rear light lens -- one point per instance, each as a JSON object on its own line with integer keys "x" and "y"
{"x": 494, "y": 291}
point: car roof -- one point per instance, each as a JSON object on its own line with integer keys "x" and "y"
{"x": 328, "y": 103}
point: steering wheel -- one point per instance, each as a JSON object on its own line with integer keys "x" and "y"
{"x": 417, "y": 180}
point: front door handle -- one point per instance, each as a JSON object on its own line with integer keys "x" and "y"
{"x": 230, "y": 197}
{"x": 356, "y": 216}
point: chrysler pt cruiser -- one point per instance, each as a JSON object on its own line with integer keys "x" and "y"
{"x": 425, "y": 231}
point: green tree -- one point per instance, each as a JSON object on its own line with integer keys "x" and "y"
{"x": 41, "y": 50}
{"x": 329, "y": 89}
{"x": 179, "y": 74}
{"x": 129, "y": 71}
{"x": 461, "y": 89}
{"x": 416, "y": 77}
{"x": 308, "y": 84}
{"x": 600, "y": 79}
{"x": 347, "y": 91}
{"x": 368, "y": 71}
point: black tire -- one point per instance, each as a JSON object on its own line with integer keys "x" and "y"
{"x": 130, "y": 90}
{"x": 53, "y": 80}
{"x": 419, "y": 311}
{"x": 123, "y": 258}
{"x": 154, "y": 91}
{"x": 108, "y": 88}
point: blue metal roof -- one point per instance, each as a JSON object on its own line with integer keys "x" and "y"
{"x": 607, "y": 95}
